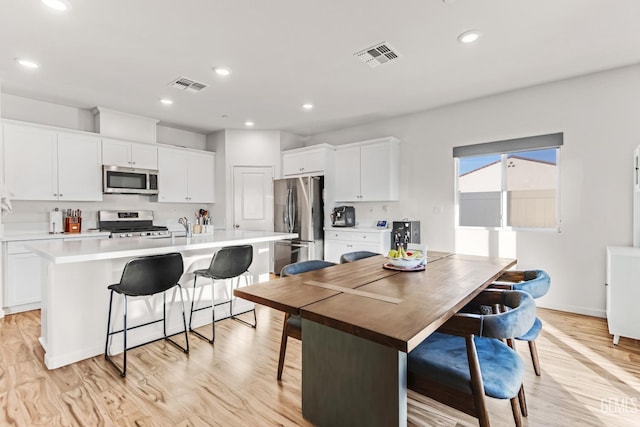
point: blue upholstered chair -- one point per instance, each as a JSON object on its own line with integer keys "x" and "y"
{"x": 536, "y": 283}
{"x": 292, "y": 326}
{"x": 465, "y": 359}
{"x": 355, "y": 256}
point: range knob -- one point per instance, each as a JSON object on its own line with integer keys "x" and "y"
{"x": 129, "y": 235}
{"x": 123, "y": 235}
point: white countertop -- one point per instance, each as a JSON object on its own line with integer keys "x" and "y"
{"x": 19, "y": 236}
{"x": 63, "y": 252}
{"x": 359, "y": 229}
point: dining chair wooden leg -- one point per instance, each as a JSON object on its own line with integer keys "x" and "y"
{"x": 516, "y": 411}
{"x": 523, "y": 402}
{"x": 476, "y": 382}
{"x": 283, "y": 347}
{"x": 534, "y": 357}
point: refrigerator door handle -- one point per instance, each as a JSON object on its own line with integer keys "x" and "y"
{"x": 287, "y": 211}
{"x": 294, "y": 245}
{"x": 291, "y": 207}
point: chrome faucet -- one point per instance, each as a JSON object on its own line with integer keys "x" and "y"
{"x": 187, "y": 225}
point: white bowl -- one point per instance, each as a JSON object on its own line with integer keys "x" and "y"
{"x": 406, "y": 262}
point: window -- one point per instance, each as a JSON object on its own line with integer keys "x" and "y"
{"x": 509, "y": 189}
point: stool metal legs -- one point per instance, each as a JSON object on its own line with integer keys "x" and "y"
{"x": 213, "y": 306}
{"x": 123, "y": 371}
{"x": 246, "y": 276}
{"x": 213, "y": 313}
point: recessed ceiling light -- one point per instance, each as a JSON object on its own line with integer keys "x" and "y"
{"x": 249, "y": 123}
{"x": 60, "y": 5}
{"x": 166, "y": 101}
{"x": 307, "y": 106}
{"x": 27, "y": 63}
{"x": 469, "y": 36}
{"x": 221, "y": 71}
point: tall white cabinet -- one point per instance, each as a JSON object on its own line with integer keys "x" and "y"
{"x": 623, "y": 292}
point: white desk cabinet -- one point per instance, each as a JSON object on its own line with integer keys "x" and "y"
{"x": 185, "y": 176}
{"x": 45, "y": 164}
{"x": 623, "y": 292}
{"x": 341, "y": 241}
{"x": 368, "y": 171}
{"x": 129, "y": 154}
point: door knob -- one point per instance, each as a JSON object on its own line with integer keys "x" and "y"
{"x": 236, "y": 225}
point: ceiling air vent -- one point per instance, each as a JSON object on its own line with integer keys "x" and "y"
{"x": 186, "y": 84}
{"x": 378, "y": 55}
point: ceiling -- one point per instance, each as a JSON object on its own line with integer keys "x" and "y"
{"x": 122, "y": 54}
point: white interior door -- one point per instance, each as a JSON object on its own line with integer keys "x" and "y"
{"x": 253, "y": 198}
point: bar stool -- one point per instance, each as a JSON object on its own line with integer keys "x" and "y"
{"x": 147, "y": 276}
{"x": 227, "y": 263}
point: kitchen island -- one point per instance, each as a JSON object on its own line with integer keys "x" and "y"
{"x": 75, "y": 298}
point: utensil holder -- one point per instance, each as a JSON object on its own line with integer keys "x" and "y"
{"x": 72, "y": 225}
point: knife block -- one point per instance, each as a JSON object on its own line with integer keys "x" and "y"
{"x": 72, "y": 225}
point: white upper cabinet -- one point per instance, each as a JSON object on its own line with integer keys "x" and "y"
{"x": 43, "y": 164}
{"x": 185, "y": 176}
{"x": 79, "y": 167}
{"x": 306, "y": 161}
{"x": 30, "y": 163}
{"x": 368, "y": 171}
{"x": 200, "y": 177}
{"x": 129, "y": 154}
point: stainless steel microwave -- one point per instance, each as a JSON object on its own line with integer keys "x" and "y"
{"x": 121, "y": 180}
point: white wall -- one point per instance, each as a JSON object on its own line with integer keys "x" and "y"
{"x": 216, "y": 142}
{"x": 182, "y": 138}
{"x": 599, "y": 117}
{"x": 46, "y": 113}
{"x": 240, "y": 148}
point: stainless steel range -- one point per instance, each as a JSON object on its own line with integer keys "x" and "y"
{"x": 130, "y": 224}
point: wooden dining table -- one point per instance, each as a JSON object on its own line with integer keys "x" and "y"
{"x": 359, "y": 321}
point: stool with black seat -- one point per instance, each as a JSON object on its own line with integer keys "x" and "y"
{"x": 292, "y": 326}
{"x": 355, "y": 256}
{"x": 230, "y": 262}
{"x": 465, "y": 359}
{"x": 536, "y": 283}
{"x": 147, "y": 276}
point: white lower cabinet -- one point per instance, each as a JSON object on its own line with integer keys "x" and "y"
{"x": 623, "y": 292}
{"x": 23, "y": 278}
{"x": 24, "y": 275}
{"x": 338, "y": 242}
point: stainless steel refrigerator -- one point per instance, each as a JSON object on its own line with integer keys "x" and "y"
{"x": 299, "y": 209}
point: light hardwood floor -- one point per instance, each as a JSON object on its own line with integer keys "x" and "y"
{"x": 585, "y": 381}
